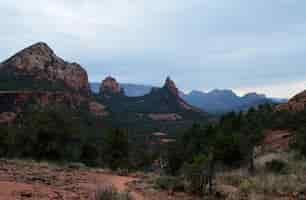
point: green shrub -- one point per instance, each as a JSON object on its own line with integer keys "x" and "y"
{"x": 111, "y": 193}
{"x": 247, "y": 185}
{"x": 277, "y": 166}
{"x": 169, "y": 183}
{"x": 193, "y": 173}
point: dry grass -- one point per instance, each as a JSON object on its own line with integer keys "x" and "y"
{"x": 111, "y": 193}
{"x": 268, "y": 183}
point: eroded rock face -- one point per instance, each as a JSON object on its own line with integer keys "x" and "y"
{"x": 110, "y": 86}
{"x": 14, "y": 102}
{"x": 165, "y": 116}
{"x": 297, "y": 103}
{"x": 40, "y": 60}
{"x": 97, "y": 109}
{"x": 7, "y": 117}
{"x": 276, "y": 140}
{"x": 170, "y": 85}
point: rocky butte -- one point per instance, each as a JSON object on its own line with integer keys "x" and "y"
{"x": 171, "y": 87}
{"x": 296, "y": 103}
{"x": 110, "y": 86}
{"x": 40, "y": 61}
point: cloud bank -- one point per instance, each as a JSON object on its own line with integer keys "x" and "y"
{"x": 203, "y": 44}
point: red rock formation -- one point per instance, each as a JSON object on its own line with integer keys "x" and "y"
{"x": 13, "y": 102}
{"x": 165, "y": 116}
{"x": 276, "y": 139}
{"x": 98, "y": 109}
{"x": 170, "y": 85}
{"x": 19, "y": 98}
{"x": 40, "y": 60}
{"x": 110, "y": 86}
{"x": 7, "y": 117}
{"x": 297, "y": 103}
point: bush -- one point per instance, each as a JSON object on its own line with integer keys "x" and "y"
{"x": 111, "y": 193}
{"x": 277, "y": 166}
{"x": 116, "y": 150}
{"x": 247, "y": 185}
{"x": 169, "y": 183}
{"x": 197, "y": 174}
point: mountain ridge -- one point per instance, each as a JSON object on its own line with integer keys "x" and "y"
{"x": 216, "y": 101}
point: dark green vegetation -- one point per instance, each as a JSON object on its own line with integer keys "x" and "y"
{"x": 200, "y": 153}
{"x": 276, "y": 166}
{"x": 110, "y": 193}
{"x": 132, "y": 112}
{"x": 60, "y": 134}
{"x": 160, "y": 100}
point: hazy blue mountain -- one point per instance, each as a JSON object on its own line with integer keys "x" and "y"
{"x": 221, "y": 101}
{"x": 95, "y": 87}
{"x": 279, "y": 100}
{"x": 134, "y": 90}
{"x": 216, "y": 101}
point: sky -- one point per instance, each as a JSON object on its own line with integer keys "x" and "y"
{"x": 244, "y": 45}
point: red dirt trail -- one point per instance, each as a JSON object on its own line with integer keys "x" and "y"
{"x": 30, "y": 181}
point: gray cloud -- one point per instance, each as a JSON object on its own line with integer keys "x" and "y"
{"x": 202, "y": 44}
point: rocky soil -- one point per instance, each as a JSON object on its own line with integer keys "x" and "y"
{"x": 28, "y": 180}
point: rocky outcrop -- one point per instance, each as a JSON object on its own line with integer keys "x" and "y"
{"x": 7, "y": 117}
{"x": 276, "y": 140}
{"x": 42, "y": 63}
{"x": 162, "y": 104}
{"x": 165, "y": 116}
{"x": 295, "y": 104}
{"x": 170, "y": 85}
{"x": 16, "y": 100}
{"x": 110, "y": 86}
{"x": 97, "y": 109}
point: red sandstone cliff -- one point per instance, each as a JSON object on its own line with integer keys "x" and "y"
{"x": 296, "y": 103}
{"x": 40, "y": 61}
{"x": 110, "y": 86}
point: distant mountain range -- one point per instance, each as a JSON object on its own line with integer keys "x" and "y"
{"x": 221, "y": 101}
{"x": 215, "y": 101}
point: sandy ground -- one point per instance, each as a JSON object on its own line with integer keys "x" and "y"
{"x": 27, "y": 180}
{"x": 31, "y": 181}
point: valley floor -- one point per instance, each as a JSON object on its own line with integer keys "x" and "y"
{"x": 29, "y": 180}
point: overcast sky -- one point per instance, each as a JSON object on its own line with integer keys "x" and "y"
{"x": 245, "y": 45}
